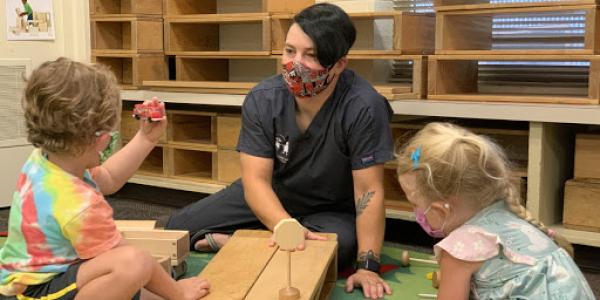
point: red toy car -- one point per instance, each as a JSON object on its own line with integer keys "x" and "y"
{"x": 152, "y": 111}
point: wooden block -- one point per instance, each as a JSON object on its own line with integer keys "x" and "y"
{"x": 135, "y": 224}
{"x": 126, "y": 34}
{"x": 206, "y": 35}
{"x": 247, "y": 268}
{"x": 443, "y": 5}
{"x": 288, "y": 234}
{"x": 228, "y": 131}
{"x": 172, "y": 243}
{"x": 582, "y": 199}
{"x": 470, "y": 31}
{"x": 137, "y": 7}
{"x": 228, "y": 166}
{"x": 412, "y": 33}
{"x": 455, "y": 78}
{"x": 132, "y": 69}
{"x": 587, "y": 156}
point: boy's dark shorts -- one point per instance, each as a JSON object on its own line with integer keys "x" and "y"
{"x": 61, "y": 287}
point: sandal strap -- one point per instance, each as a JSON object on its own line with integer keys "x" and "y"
{"x": 211, "y": 242}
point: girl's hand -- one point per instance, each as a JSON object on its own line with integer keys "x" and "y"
{"x": 153, "y": 130}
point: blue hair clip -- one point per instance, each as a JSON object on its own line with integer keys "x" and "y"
{"x": 416, "y": 156}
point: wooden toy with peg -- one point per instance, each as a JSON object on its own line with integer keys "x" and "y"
{"x": 288, "y": 234}
{"x": 406, "y": 260}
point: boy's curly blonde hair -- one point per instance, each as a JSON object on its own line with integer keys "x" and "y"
{"x": 67, "y": 102}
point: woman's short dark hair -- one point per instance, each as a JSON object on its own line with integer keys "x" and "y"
{"x": 330, "y": 29}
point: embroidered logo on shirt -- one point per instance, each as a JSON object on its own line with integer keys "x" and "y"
{"x": 282, "y": 148}
{"x": 367, "y": 160}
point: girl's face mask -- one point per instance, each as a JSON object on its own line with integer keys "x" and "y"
{"x": 422, "y": 220}
{"x": 110, "y": 148}
{"x": 304, "y": 81}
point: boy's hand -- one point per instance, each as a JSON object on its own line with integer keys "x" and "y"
{"x": 153, "y": 129}
{"x": 193, "y": 288}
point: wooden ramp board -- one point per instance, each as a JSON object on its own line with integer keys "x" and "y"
{"x": 247, "y": 268}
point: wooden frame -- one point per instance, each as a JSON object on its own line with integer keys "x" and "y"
{"x": 470, "y": 31}
{"x": 136, "y": 7}
{"x": 126, "y": 34}
{"x": 412, "y": 32}
{"x": 370, "y": 67}
{"x": 454, "y": 78}
{"x": 174, "y": 244}
{"x": 192, "y": 7}
{"x": 218, "y": 35}
{"x": 228, "y": 166}
{"x": 445, "y": 5}
{"x": 191, "y": 128}
{"x": 132, "y": 69}
{"x": 218, "y": 75}
{"x": 587, "y": 156}
{"x": 582, "y": 199}
{"x": 247, "y": 268}
{"x": 228, "y": 131}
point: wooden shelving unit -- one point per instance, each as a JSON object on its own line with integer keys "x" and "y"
{"x": 455, "y": 78}
{"x": 445, "y": 5}
{"x": 196, "y": 7}
{"x": 412, "y": 33}
{"x": 132, "y": 69}
{"x": 137, "y": 7}
{"x": 126, "y": 34}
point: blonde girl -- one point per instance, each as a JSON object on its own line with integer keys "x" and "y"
{"x": 462, "y": 190}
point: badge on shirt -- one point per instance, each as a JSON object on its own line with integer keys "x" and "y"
{"x": 367, "y": 160}
{"x": 282, "y": 148}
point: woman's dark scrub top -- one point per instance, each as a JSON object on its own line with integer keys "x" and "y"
{"x": 313, "y": 170}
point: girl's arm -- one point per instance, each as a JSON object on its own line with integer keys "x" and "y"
{"x": 456, "y": 277}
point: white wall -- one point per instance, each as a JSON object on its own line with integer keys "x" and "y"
{"x": 71, "y": 40}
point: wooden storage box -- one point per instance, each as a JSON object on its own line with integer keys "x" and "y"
{"x": 470, "y": 31}
{"x": 194, "y": 7}
{"x": 587, "y": 156}
{"x": 171, "y": 243}
{"x": 192, "y": 163}
{"x": 192, "y": 128}
{"x": 228, "y": 131}
{"x": 412, "y": 33}
{"x": 114, "y": 34}
{"x": 410, "y": 83}
{"x": 136, "y": 7}
{"x": 228, "y": 166}
{"x": 247, "y": 268}
{"x": 132, "y": 69}
{"x": 455, "y": 78}
{"x": 442, "y": 5}
{"x": 218, "y": 35}
{"x": 582, "y": 201}
{"x": 219, "y": 75}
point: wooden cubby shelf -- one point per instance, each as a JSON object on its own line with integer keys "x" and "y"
{"x": 455, "y": 78}
{"x": 132, "y": 69}
{"x": 126, "y": 34}
{"x": 153, "y": 165}
{"x": 190, "y": 128}
{"x": 194, "y": 7}
{"x": 232, "y": 75}
{"x": 470, "y": 31}
{"x": 413, "y": 33}
{"x": 192, "y": 163}
{"x": 221, "y": 34}
{"x": 377, "y": 69}
{"x": 136, "y": 7}
{"x": 444, "y": 5}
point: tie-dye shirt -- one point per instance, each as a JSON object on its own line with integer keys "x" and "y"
{"x": 55, "y": 219}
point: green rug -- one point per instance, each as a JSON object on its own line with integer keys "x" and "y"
{"x": 405, "y": 282}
